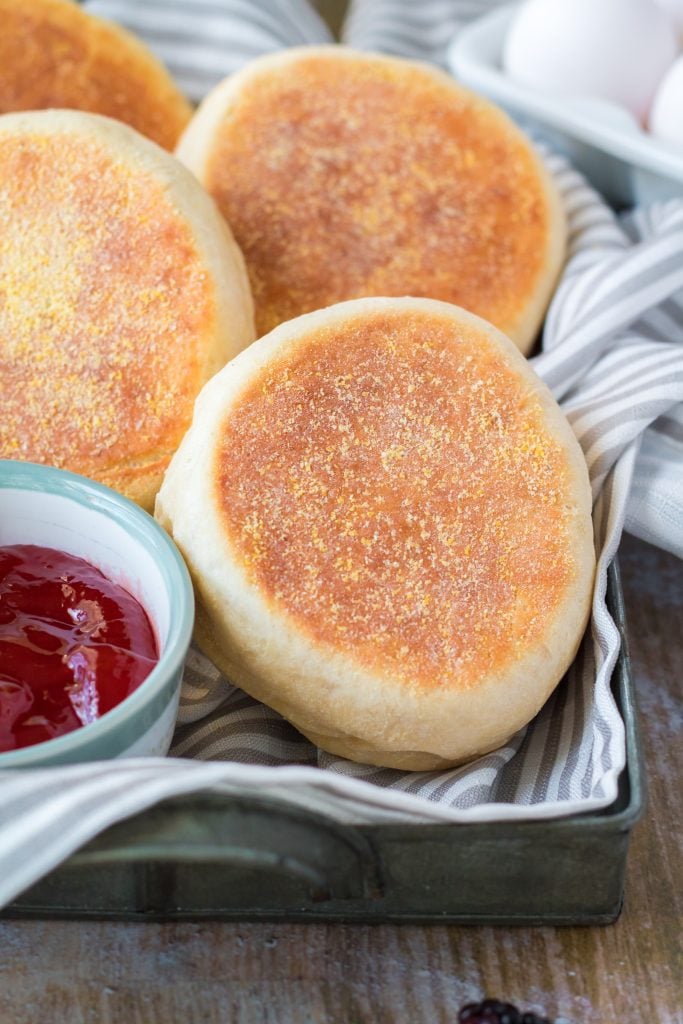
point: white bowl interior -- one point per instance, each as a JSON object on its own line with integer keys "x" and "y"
{"x": 55, "y": 521}
{"x": 619, "y": 158}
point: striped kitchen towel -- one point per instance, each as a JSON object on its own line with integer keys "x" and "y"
{"x": 613, "y": 355}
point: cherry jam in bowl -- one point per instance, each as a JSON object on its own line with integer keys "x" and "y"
{"x": 96, "y": 615}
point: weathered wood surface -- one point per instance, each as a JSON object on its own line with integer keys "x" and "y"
{"x": 630, "y": 972}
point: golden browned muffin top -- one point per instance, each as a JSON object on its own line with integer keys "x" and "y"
{"x": 344, "y": 177}
{"x": 53, "y": 54}
{"x": 393, "y": 485}
{"x": 104, "y": 302}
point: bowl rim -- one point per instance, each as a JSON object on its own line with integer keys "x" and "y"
{"x": 29, "y": 476}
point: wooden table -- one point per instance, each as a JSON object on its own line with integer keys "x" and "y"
{"x": 627, "y": 973}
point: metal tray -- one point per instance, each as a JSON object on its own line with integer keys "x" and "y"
{"x": 238, "y": 859}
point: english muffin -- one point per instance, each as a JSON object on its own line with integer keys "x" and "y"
{"x": 345, "y": 175}
{"x": 121, "y": 293}
{"x": 388, "y": 523}
{"x": 54, "y": 54}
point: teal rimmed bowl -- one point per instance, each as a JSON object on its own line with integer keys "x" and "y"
{"x": 57, "y": 509}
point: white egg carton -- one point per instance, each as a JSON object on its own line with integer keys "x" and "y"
{"x": 601, "y": 139}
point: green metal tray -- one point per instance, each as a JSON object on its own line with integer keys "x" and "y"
{"x": 241, "y": 859}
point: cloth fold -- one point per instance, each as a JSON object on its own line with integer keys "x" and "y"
{"x": 613, "y": 355}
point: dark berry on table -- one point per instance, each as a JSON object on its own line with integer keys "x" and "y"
{"x": 493, "y": 1011}
{"x": 490, "y": 1011}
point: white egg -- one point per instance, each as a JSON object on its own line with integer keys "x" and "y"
{"x": 666, "y": 115}
{"x": 617, "y": 50}
{"x": 675, "y": 9}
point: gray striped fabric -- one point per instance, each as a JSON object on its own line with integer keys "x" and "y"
{"x": 202, "y": 41}
{"x": 414, "y": 29}
{"x": 613, "y": 355}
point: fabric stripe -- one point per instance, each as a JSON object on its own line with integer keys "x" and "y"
{"x": 416, "y": 31}
{"x": 203, "y": 41}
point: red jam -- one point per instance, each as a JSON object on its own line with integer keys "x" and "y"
{"x": 73, "y": 644}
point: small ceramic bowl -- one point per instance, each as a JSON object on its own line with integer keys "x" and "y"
{"x": 53, "y": 508}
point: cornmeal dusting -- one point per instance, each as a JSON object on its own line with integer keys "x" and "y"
{"x": 348, "y": 178}
{"x": 104, "y": 308}
{"x": 55, "y": 55}
{"x": 393, "y": 487}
